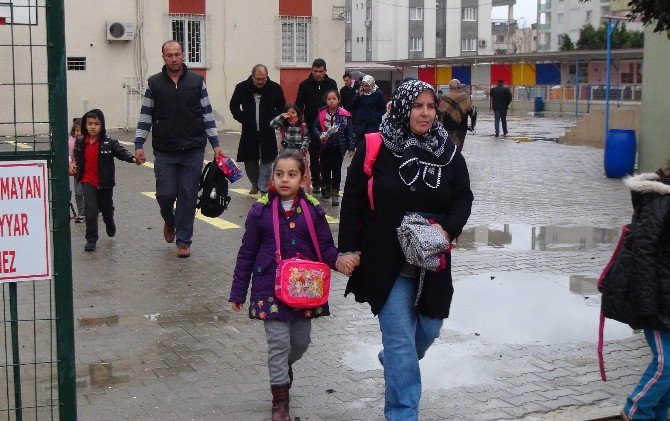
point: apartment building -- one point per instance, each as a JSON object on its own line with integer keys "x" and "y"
{"x": 112, "y": 47}
{"x": 558, "y": 17}
{"x": 415, "y": 29}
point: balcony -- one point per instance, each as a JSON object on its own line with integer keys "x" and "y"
{"x": 543, "y": 26}
{"x": 547, "y": 5}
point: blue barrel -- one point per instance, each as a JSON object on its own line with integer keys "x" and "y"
{"x": 539, "y": 104}
{"x": 619, "y": 152}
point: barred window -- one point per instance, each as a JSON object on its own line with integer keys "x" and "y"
{"x": 416, "y": 13}
{"x": 295, "y": 40}
{"x": 190, "y": 31}
{"x": 19, "y": 12}
{"x": 469, "y": 14}
{"x": 416, "y": 44}
{"x": 469, "y": 44}
{"x": 76, "y": 63}
{"x": 347, "y": 45}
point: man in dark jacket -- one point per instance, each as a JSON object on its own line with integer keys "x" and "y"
{"x": 348, "y": 91}
{"x": 176, "y": 107}
{"x": 501, "y": 97}
{"x": 309, "y": 100}
{"x": 255, "y": 102}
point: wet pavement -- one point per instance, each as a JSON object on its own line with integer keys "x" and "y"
{"x": 156, "y": 338}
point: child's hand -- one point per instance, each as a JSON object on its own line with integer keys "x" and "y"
{"x": 237, "y": 306}
{"x": 350, "y": 153}
{"x": 73, "y": 169}
{"x": 285, "y": 115}
{"x": 136, "y": 161}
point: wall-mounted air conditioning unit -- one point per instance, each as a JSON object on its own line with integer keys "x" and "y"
{"x": 482, "y": 43}
{"x": 368, "y": 23}
{"x": 120, "y": 31}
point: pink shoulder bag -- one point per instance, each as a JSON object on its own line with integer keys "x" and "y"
{"x": 300, "y": 283}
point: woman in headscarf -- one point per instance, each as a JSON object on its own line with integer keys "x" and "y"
{"x": 368, "y": 107}
{"x": 418, "y": 169}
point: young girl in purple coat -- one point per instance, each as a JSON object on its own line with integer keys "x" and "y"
{"x": 288, "y": 330}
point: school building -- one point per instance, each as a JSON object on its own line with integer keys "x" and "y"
{"x": 112, "y": 47}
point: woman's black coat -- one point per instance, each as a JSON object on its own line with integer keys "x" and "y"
{"x": 243, "y": 108}
{"x": 368, "y": 111}
{"x": 374, "y": 233}
{"x": 637, "y": 289}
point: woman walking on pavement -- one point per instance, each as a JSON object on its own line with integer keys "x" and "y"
{"x": 643, "y": 267}
{"x": 417, "y": 170}
{"x": 368, "y": 107}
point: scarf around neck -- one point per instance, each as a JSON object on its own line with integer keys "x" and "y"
{"x": 421, "y": 156}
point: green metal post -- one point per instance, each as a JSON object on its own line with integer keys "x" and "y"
{"x": 16, "y": 360}
{"x": 67, "y": 393}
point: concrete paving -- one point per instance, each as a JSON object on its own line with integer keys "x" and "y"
{"x": 157, "y": 339}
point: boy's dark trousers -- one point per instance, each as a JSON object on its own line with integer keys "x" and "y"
{"x": 331, "y": 167}
{"x": 97, "y": 200}
{"x": 315, "y": 147}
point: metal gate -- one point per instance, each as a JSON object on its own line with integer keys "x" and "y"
{"x": 37, "y": 365}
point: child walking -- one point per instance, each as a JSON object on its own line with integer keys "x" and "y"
{"x": 75, "y": 132}
{"x": 93, "y": 167}
{"x": 294, "y": 135}
{"x": 288, "y": 330}
{"x": 636, "y": 290}
{"x": 333, "y": 126}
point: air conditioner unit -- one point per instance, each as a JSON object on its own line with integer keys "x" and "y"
{"x": 368, "y": 23}
{"x": 120, "y": 31}
{"x": 482, "y": 43}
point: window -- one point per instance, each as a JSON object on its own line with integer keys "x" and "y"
{"x": 368, "y": 44}
{"x": 416, "y": 13}
{"x": 23, "y": 12}
{"x": 295, "y": 40}
{"x": 589, "y": 15}
{"x": 368, "y": 13}
{"x": 76, "y": 63}
{"x": 500, "y": 39}
{"x": 347, "y": 46}
{"x": 469, "y": 44}
{"x": 348, "y": 16}
{"x": 190, "y": 31}
{"x": 469, "y": 14}
{"x": 416, "y": 44}
{"x": 561, "y": 17}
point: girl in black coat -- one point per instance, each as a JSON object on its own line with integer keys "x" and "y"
{"x": 418, "y": 169}
{"x": 637, "y": 290}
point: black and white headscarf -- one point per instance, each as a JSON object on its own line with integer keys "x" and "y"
{"x": 420, "y": 156}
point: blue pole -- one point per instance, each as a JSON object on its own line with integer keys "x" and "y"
{"x": 610, "y": 29}
{"x": 576, "y": 87}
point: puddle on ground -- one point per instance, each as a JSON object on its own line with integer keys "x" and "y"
{"x": 530, "y": 308}
{"x": 503, "y": 308}
{"x": 537, "y": 237}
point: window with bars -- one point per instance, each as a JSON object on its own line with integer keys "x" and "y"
{"x": 416, "y": 13}
{"x": 469, "y": 44}
{"x": 190, "y": 31}
{"x": 416, "y": 44}
{"x": 76, "y": 63}
{"x": 348, "y": 16}
{"x": 469, "y": 14}
{"x": 368, "y": 44}
{"x": 347, "y": 46}
{"x": 368, "y": 13}
{"x": 295, "y": 40}
{"x": 19, "y": 12}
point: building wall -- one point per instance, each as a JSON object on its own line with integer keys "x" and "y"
{"x": 238, "y": 37}
{"x": 654, "y": 148}
{"x": 453, "y": 28}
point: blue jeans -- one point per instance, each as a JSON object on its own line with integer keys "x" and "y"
{"x": 406, "y": 336}
{"x": 499, "y": 115}
{"x": 650, "y": 399}
{"x": 177, "y": 179}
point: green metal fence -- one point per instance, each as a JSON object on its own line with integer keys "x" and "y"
{"x": 37, "y": 364}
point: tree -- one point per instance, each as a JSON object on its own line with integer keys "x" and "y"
{"x": 565, "y": 43}
{"x": 591, "y": 38}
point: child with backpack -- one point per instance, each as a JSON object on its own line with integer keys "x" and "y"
{"x": 301, "y": 225}
{"x": 293, "y": 130}
{"x": 334, "y": 128}
{"x": 635, "y": 289}
{"x": 93, "y": 166}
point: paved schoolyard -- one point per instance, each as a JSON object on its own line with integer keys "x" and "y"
{"x": 156, "y": 338}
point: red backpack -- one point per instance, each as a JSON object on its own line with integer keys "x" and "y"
{"x": 373, "y": 142}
